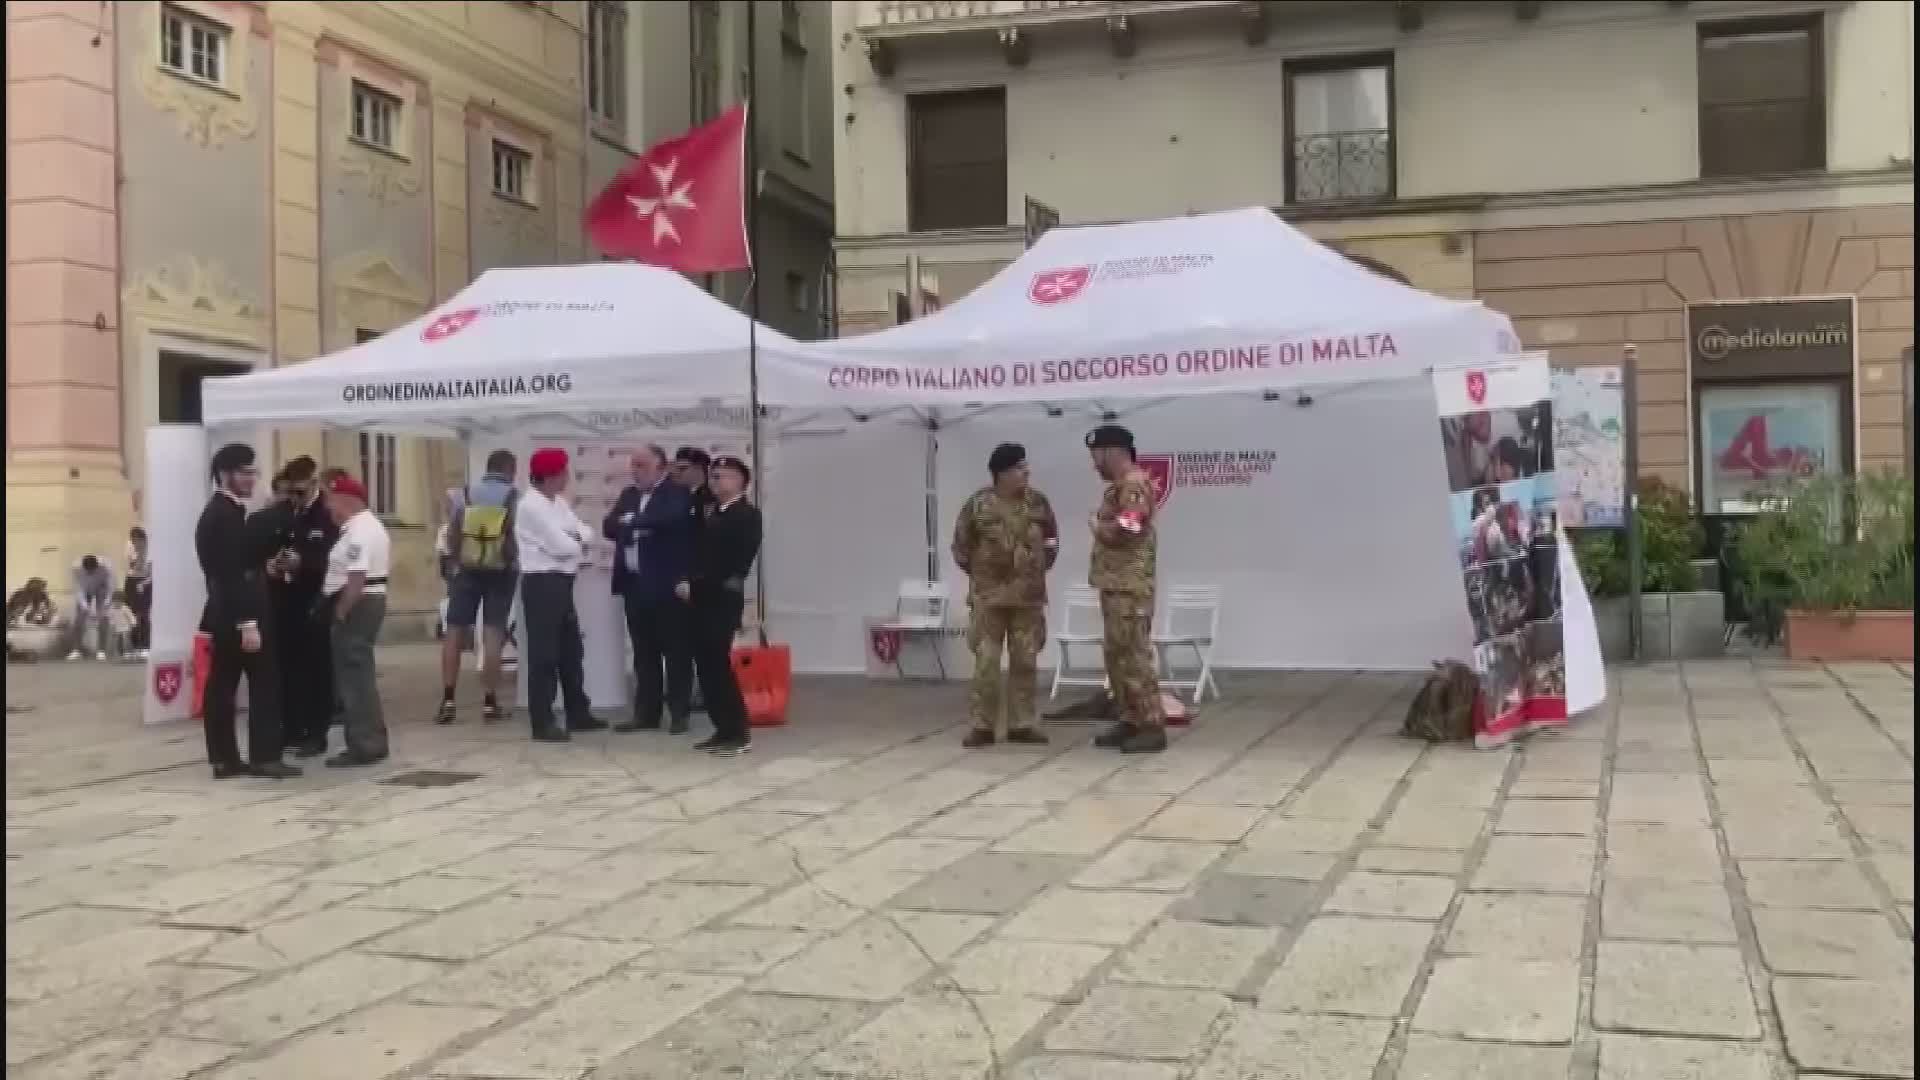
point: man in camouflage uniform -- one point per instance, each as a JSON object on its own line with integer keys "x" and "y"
{"x": 1005, "y": 539}
{"x": 1122, "y": 568}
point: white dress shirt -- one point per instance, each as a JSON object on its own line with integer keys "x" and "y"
{"x": 363, "y": 547}
{"x": 551, "y": 539}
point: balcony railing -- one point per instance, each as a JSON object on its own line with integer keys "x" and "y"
{"x": 935, "y": 15}
{"x": 1342, "y": 166}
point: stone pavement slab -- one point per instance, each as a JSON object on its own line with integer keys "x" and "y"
{"x": 1710, "y": 877}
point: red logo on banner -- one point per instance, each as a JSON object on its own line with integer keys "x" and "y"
{"x": 167, "y": 681}
{"x": 885, "y": 643}
{"x": 449, "y": 324}
{"x": 1159, "y": 470}
{"x": 1477, "y": 387}
{"x": 1059, "y": 286}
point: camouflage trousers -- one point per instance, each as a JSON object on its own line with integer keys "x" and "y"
{"x": 1133, "y": 675}
{"x": 1021, "y": 632}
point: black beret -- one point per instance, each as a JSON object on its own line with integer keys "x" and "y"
{"x": 1006, "y": 456}
{"x": 232, "y": 457}
{"x": 1109, "y": 436}
{"x": 692, "y": 455}
{"x": 728, "y": 461}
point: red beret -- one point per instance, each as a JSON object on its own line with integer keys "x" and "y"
{"x": 345, "y": 484}
{"x": 549, "y": 461}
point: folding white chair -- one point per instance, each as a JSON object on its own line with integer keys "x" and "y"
{"x": 1190, "y": 620}
{"x": 1079, "y": 624}
{"x": 920, "y": 614}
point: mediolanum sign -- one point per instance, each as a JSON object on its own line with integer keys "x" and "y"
{"x": 1771, "y": 338}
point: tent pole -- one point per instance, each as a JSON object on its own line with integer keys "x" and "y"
{"x": 1630, "y": 452}
{"x": 753, "y": 292}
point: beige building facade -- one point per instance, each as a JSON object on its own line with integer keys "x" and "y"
{"x": 1607, "y": 173}
{"x": 206, "y": 187}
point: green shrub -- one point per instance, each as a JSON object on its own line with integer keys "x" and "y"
{"x": 1670, "y": 538}
{"x": 1830, "y": 544}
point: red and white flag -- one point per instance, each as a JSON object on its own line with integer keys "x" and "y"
{"x": 682, "y": 203}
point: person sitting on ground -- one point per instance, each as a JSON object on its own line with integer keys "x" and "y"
{"x": 30, "y": 605}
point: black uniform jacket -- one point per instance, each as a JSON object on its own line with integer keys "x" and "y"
{"x": 729, "y": 542}
{"x": 233, "y": 555}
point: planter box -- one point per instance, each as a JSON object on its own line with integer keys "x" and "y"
{"x": 1860, "y": 635}
{"x": 1673, "y": 626}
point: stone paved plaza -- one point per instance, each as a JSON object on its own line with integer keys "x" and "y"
{"x": 1711, "y": 878}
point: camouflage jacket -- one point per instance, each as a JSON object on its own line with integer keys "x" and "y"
{"x": 1124, "y": 549}
{"x": 1003, "y": 546}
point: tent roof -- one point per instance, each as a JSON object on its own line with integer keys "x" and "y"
{"x": 1146, "y": 292}
{"x": 518, "y": 341}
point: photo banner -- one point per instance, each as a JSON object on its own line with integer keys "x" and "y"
{"x": 1496, "y": 429}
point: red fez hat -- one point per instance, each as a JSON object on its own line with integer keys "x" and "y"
{"x": 345, "y": 484}
{"x": 549, "y": 461}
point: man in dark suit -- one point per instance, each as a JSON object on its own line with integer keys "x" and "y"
{"x": 651, "y": 526}
{"x": 233, "y": 556}
{"x": 302, "y": 534}
{"x": 716, "y": 592}
{"x": 690, "y": 472}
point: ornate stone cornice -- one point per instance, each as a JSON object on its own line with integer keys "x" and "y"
{"x": 196, "y": 297}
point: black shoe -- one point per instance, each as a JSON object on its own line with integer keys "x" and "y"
{"x": 1114, "y": 736}
{"x": 447, "y": 713}
{"x": 492, "y": 713}
{"x": 709, "y": 742}
{"x": 637, "y": 725}
{"x": 229, "y": 770}
{"x": 273, "y": 770}
{"x": 731, "y": 748}
{"x": 1145, "y": 741}
{"x": 311, "y": 748}
{"x": 1027, "y": 736}
{"x": 551, "y": 734}
{"x": 677, "y": 726}
{"x": 587, "y": 723}
{"x": 977, "y": 738}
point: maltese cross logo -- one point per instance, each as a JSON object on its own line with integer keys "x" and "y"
{"x": 1058, "y": 286}
{"x": 669, "y": 196}
{"x": 449, "y": 324}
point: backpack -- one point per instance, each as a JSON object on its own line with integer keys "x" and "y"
{"x": 486, "y": 537}
{"x": 1443, "y": 710}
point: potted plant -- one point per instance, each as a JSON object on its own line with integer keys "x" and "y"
{"x": 1679, "y": 620}
{"x": 1830, "y": 560}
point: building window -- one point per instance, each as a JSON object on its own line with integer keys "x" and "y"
{"x": 606, "y": 60}
{"x": 378, "y": 455}
{"x": 1762, "y": 98}
{"x": 957, "y": 159}
{"x": 512, "y": 172}
{"x": 795, "y": 138}
{"x": 376, "y": 116}
{"x": 703, "y": 58}
{"x": 193, "y": 46}
{"x": 798, "y": 298}
{"x": 1340, "y": 130}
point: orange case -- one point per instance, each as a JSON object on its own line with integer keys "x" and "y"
{"x": 765, "y": 673}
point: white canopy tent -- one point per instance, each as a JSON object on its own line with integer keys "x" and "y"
{"x": 517, "y": 344}
{"x": 1214, "y": 303}
{"x": 1343, "y": 562}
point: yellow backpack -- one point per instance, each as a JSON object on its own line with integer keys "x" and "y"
{"x": 486, "y": 537}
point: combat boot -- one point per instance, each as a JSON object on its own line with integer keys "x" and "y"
{"x": 1146, "y": 740}
{"x": 1115, "y": 736}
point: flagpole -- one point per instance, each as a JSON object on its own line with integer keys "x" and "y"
{"x": 752, "y": 164}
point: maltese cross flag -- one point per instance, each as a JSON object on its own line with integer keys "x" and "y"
{"x": 681, "y": 204}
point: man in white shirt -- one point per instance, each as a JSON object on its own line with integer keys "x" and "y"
{"x": 552, "y": 542}
{"x": 92, "y": 602}
{"x": 355, "y": 592}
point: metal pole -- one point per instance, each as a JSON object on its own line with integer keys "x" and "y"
{"x": 752, "y": 164}
{"x": 1630, "y": 450}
